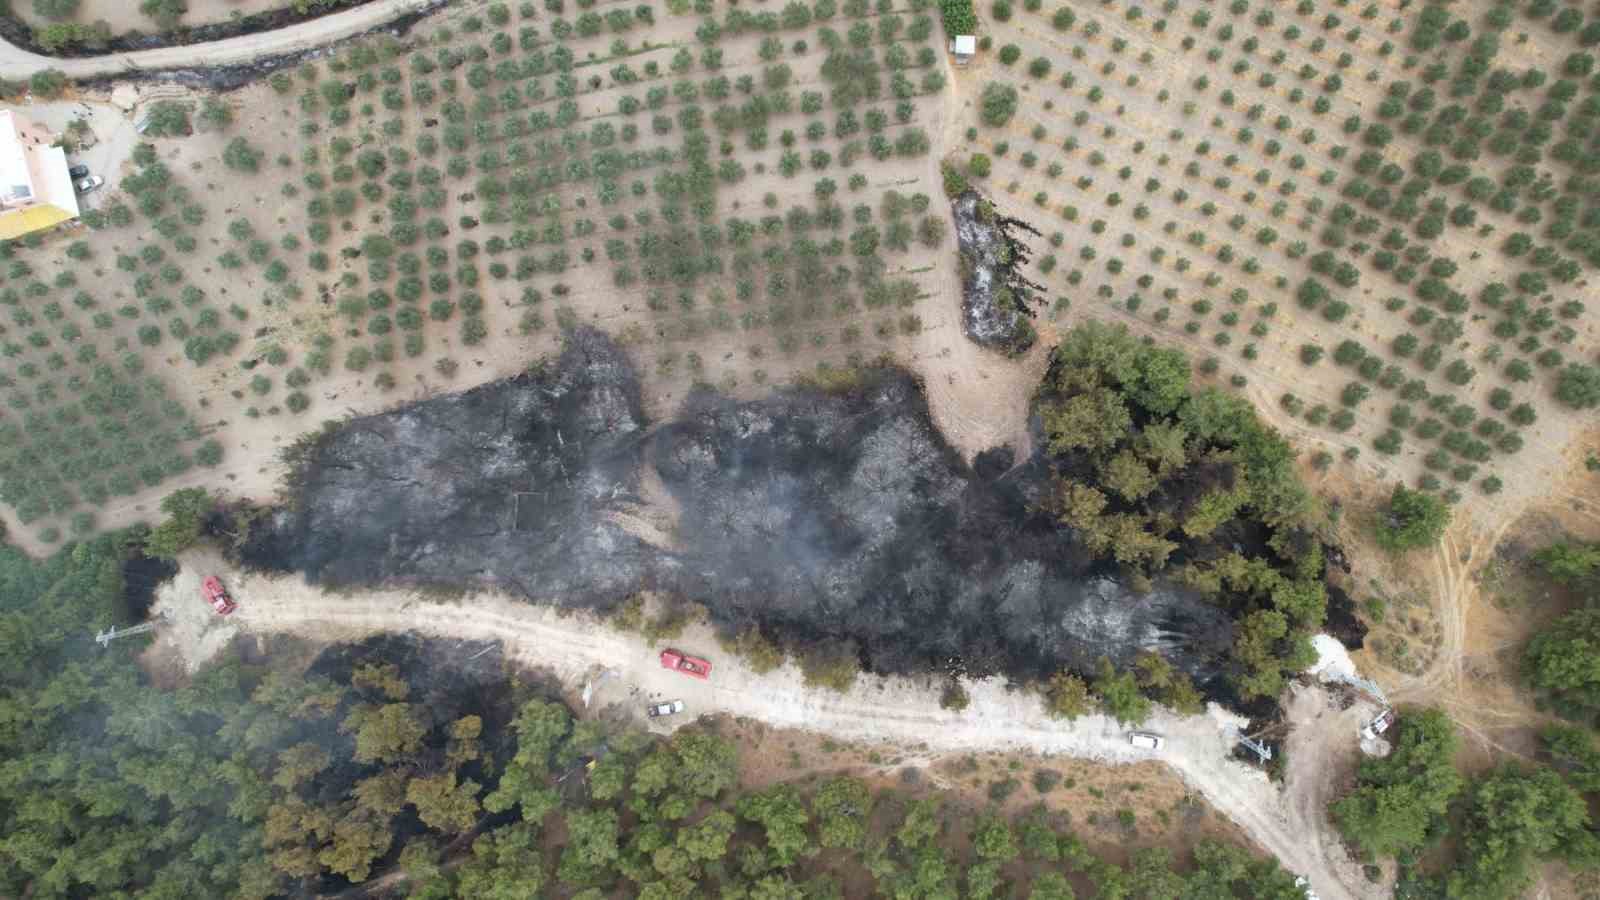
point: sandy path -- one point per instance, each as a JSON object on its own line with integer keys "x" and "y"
{"x": 899, "y": 711}
{"x": 18, "y": 64}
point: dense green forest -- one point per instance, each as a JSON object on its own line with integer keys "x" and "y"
{"x": 259, "y": 779}
{"x": 1163, "y": 477}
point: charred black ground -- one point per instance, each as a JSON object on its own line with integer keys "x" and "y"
{"x": 820, "y": 514}
{"x": 997, "y": 300}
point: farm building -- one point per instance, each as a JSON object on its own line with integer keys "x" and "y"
{"x": 35, "y": 190}
{"x": 963, "y": 47}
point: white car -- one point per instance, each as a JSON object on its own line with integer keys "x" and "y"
{"x": 1379, "y": 725}
{"x": 1146, "y": 740}
{"x": 85, "y": 185}
{"x": 671, "y": 707}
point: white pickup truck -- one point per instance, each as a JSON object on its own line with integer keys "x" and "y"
{"x": 1146, "y": 740}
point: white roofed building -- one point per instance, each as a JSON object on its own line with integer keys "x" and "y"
{"x": 35, "y": 190}
{"x": 963, "y": 47}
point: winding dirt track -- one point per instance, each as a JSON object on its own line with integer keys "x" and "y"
{"x": 18, "y": 64}
{"x": 897, "y": 711}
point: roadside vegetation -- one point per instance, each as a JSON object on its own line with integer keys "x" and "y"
{"x": 257, "y": 780}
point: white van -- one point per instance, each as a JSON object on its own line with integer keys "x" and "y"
{"x": 1146, "y": 740}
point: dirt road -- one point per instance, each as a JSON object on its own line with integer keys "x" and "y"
{"x": 896, "y": 711}
{"x": 19, "y": 64}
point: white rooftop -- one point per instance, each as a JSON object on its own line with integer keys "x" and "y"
{"x": 16, "y": 183}
{"x": 32, "y": 172}
{"x": 965, "y": 45}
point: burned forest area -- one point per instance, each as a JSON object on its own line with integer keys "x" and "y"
{"x": 997, "y": 300}
{"x": 831, "y": 512}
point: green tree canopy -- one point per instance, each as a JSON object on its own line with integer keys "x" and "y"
{"x": 186, "y": 510}
{"x": 997, "y": 104}
{"x": 842, "y": 807}
{"x": 1400, "y": 800}
{"x": 1413, "y": 519}
{"x": 1563, "y": 663}
{"x": 1515, "y": 816}
{"x": 1119, "y": 694}
{"x": 1575, "y": 563}
{"x": 1579, "y": 386}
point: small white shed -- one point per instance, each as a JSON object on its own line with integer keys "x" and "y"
{"x": 963, "y": 47}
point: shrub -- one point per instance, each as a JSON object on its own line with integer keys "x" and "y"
{"x": 955, "y": 183}
{"x": 1579, "y": 386}
{"x": 209, "y": 454}
{"x": 165, "y": 13}
{"x": 1067, "y": 696}
{"x": 48, "y": 83}
{"x": 56, "y": 9}
{"x": 998, "y": 104}
{"x": 1413, "y": 519}
{"x": 833, "y": 665}
{"x": 953, "y": 696}
{"x": 241, "y": 156}
{"x": 168, "y": 118}
{"x": 1389, "y": 442}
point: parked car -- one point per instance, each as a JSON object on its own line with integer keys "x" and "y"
{"x": 211, "y": 588}
{"x": 671, "y": 707}
{"x": 679, "y": 661}
{"x": 78, "y": 171}
{"x": 1379, "y": 725}
{"x": 85, "y": 185}
{"x": 1146, "y": 740}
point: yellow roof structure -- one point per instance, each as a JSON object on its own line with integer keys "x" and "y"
{"x": 18, "y": 222}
